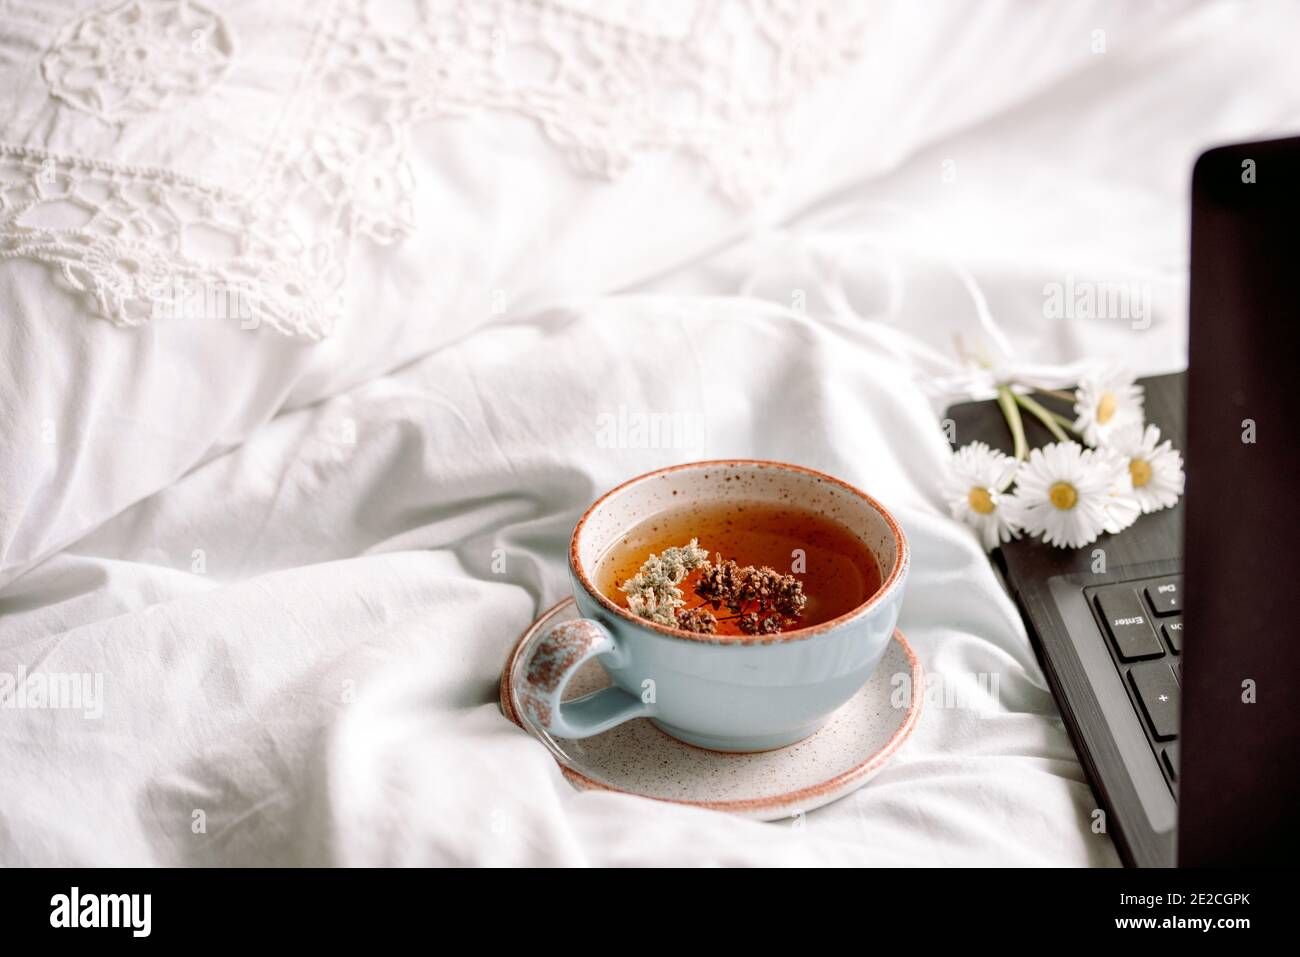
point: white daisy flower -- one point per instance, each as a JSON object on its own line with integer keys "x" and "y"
{"x": 972, "y": 489}
{"x": 1155, "y": 468}
{"x": 1069, "y": 495}
{"x": 1122, "y": 507}
{"x": 1105, "y": 403}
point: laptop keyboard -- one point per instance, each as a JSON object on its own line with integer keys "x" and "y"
{"x": 1142, "y": 623}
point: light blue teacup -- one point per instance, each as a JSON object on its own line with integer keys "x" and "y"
{"x": 719, "y": 692}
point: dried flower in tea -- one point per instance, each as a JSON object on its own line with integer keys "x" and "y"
{"x": 653, "y": 593}
{"x": 761, "y": 601}
{"x": 699, "y": 620}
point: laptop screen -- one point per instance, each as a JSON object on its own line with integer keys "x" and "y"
{"x": 1240, "y": 785}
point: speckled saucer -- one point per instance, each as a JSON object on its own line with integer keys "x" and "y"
{"x": 638, "y": 758}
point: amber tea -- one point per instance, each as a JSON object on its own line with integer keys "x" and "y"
{"x": 781, "y": 568}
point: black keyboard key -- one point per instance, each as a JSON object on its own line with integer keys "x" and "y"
{"x": 1126, "y": 620}
{"x": 1158, "y": 692}
{"x": 1171, "y": 760}
{"x": 1173, "y": 631}
{"x": 1166, "y": 596}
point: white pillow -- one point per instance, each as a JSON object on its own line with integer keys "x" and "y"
{"x": 363, "y": 183}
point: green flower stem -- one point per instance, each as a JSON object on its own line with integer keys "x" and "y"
{"x": 1047, "y": 418}
{"x": 1058, "y": 394}
{"x": 1066, "y": 421}
{"x": 1007, "y": 401}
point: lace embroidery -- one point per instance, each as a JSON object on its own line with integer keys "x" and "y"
{"x": 602, "y": 92}
{"x": 339, "y": 169}
{"x": 138, "y": 57}
{"x": 143, "y": 242}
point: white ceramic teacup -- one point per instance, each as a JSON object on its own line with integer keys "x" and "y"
{"x": 728, "y": 693}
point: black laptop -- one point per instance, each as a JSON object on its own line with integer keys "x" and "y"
{"x": 1193, "y": 746}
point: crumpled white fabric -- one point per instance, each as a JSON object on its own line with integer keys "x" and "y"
{"x": 300, "y": 639}
{"x": 502, "y": 225}
{"x": 324, "y": 691}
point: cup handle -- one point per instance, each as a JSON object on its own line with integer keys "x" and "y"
{"x": 547, "y": 667}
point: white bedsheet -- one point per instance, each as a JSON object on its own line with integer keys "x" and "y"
{"x": 299, "y": 641}
{"x": 325, "y": 690}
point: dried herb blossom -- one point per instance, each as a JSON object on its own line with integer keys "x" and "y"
{"x": 699, "y": 620}
{"x": 779, "y": 598}
{"x": 653, "y": 593}
{"x": 761, "y": 601}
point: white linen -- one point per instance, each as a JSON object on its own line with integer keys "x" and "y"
{"x": 446, "y": 199}
{"x": 299, "y": 640}
{"x": 385, "y": 170}
{"x": 337, "y": 571}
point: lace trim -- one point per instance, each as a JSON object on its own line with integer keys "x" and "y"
{"x": 603, "y": 93}
{"x": 145, "y": 242}
{"x": 138, "y": 57}
{"x": 139, "y": 240}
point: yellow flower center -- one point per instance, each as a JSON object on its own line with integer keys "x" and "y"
{"x": 1106, "y": 407}
{"x": 1063, "y": 496}
{"x": 1141, "y": 472}
{"x": 980, "y": 501}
